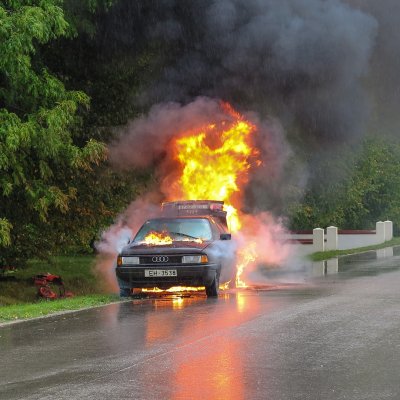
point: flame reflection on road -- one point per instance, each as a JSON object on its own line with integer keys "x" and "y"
{"x": 215, "y": 374}
{"x": 187, "y": 347}
{"x": 213, "y": 367}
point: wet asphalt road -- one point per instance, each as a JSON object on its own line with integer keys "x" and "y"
{"x": 335, "y": 334}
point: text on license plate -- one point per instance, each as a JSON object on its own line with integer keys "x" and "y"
{"x": 148, "y": 273}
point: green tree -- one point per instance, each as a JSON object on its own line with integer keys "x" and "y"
{"x": 368, "y": 192}
{"x": 39, "y": 121}
{"x": 373, "y": 191}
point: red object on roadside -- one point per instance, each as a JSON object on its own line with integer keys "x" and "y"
{"x": 47, "y": 293}
{"x": 46, "y": 283}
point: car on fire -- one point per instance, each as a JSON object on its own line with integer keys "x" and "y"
{"x": 187, "y": 246}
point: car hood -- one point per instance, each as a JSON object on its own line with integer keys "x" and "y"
{"x": 175, "y": 247}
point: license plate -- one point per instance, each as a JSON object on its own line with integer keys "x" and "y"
{"x": 150, "y": 273}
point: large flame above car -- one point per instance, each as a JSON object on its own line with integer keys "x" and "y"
{"x": 215, "y": 162}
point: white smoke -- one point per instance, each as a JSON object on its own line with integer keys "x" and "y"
{"x": 114, "y": 239}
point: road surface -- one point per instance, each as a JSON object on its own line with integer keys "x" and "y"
{"x": 333, "y": 334}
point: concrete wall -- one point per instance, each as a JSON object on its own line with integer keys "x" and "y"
{"x": 351, "y": 241}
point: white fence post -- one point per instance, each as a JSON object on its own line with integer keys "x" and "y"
{"x": 380, "y": 232}
{"x": 331, "y": 238}
{"x": 318, "y": 239}
{"x": 388, "y": 230}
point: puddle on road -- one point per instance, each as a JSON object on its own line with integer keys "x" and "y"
{"x": 244, "y": 301}
{"x": 369, "y": 263}
{"x": 178, "y": 300}
{"x": 309, "y": 281}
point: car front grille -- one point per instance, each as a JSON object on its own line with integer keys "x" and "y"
{"x": 158, "y": 259}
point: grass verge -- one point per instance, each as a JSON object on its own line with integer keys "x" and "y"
{"x": 43, "y": 307}
{"x": 18, "y": 294}
{"x": 325, "y": 255}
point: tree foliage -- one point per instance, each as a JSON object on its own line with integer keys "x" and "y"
{"x": 369, "y": 192}
{"x": 38, "y": 121}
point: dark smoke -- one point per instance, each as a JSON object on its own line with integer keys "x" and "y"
{"x": 384, "y": 77}
{"x": 304, "y": 63}
{"x": 144, "y": 140}
{"x": 299, "y": 60}
{"x": 313, "y": 72}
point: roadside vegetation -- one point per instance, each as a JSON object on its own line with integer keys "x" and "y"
{"x": 43, "y": 308}
{"x": 18, "y": 294}
{"x": 352, "y": 192}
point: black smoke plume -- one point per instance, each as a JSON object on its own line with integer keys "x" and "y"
{"x": 299, "y": 65}
{"x": 383, "y": 81}
{"x": 299, "y": 60}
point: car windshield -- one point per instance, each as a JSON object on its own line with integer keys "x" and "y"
{"x": 177, "y": 228}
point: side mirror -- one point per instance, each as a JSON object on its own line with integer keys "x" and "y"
{"x": 225, "y": 236}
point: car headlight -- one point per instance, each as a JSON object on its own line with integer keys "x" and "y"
{"x": 195, "y": 259}
{"x": 130, "y": 260}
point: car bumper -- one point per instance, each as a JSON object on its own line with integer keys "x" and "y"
{"x": 196, "y": 275}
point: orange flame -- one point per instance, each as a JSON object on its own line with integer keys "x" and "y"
{"x": 215, "y": 165}
{"x": 157, "y": 239}
{"x": 246, "y": 255}
{"x": 174, "y": 289}
{"x": 163, "y": 239}
{"x": 216, "y": 161}
{"x": 180, "y": 289}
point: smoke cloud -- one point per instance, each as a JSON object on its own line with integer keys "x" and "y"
{"x": 144, "y": 142}
{"x": 299, "y": 60}
{"x": 301, "y": 66}
{"x": 122, "y": 232}
{"x": 384, "y": 79}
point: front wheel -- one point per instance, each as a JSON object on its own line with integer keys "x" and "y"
{"x": 212, "y": 290}
{"x": 124, "y": 292}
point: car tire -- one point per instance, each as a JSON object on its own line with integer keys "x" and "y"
{"x": 124, "y": 292}
{"x": 212, "y": 290}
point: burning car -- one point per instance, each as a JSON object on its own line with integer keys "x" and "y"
{"x": 186, "y": 246}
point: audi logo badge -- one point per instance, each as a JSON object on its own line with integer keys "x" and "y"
{"x": 160, "y": 259}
